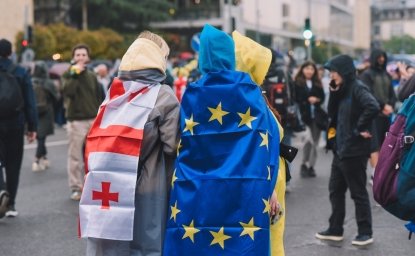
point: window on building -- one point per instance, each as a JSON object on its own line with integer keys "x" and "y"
{"x": 376, "y": 29}
{"x": 396, "y": 29}
{"x": 285, "y": 10}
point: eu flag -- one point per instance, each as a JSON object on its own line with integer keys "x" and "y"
{"x": 226, "y": 170}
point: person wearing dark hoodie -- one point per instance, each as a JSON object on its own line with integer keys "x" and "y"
{"x": 380, "y": 84}
{"x": 351, "y": 109}
{"x": 46, "y": 97}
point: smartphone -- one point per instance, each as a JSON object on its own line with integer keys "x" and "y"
{"x": 333, "y": 85}
{"x": 275, "y": 218}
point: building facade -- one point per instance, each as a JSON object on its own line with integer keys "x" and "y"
{"x": 51, "y": 11}
{"x": 278, "y": 23}
{"x": 392, "y": 18}
{"x": 15, "y": 16}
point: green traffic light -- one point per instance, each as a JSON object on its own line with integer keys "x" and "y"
{"x": 307, "y": 34}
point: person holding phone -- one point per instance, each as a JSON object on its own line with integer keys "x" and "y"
{"x": 351, "y": 108}
{"x": 81, "y": 92}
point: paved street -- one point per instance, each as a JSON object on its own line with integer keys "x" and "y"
{"x": 47, "y": 221}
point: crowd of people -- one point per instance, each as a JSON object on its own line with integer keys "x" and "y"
{"x": 173, "y": 141}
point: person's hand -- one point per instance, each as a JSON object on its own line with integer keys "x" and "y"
{"x": 387, "y": 110}
{"x": 313, "y": 100}
{"x": 274, "y": 204}
{"x": 31, "y": 136}
{"x": 402, "y": 70}
{"x": 366, "y": 135}
{"x": 80, "y": 66}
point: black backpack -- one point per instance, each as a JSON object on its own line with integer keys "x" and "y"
{"x": 11, "y": 98}
{"x": 281, "y": 96}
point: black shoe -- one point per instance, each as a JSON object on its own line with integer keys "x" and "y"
{"x": 361, "y": 240}
{"x": 329, "y": 235}
{"x": 304, "y": 171}
{"x": 311, "y": 172}
{"x": 4, "y": 201}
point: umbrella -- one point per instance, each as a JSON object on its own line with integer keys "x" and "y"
{"x": 186, "y": 55}
{"x": 57, "y": 69}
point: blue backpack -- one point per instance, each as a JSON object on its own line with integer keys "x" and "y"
{"x": 394, "y": 179}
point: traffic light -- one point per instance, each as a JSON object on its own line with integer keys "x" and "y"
{"x": 307, "y": 33}
{"x": 25, "y": 43}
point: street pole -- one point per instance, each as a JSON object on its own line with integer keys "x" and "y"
{"x": 402, "y": 51}
{"x": 257, "y": 37}
{"x": 309, "y": 50}
{"x": 84, "y": 15}
{"x": 26, "y": 22}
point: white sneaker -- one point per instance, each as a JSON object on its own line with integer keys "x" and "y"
{"x": 45, "y": 163}
{"x": 37, "y": 167}
{"x": 76, "y": 195}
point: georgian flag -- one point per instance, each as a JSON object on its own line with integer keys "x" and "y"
{"x": 112, "y": 153}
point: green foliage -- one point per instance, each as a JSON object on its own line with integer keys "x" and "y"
{"x": 59, "y": 38}
{"x": 121, "y": 15}
{"x": 321, "y": 53}
{"x": 66, "y": 38}
{"x": 397, "y": 44}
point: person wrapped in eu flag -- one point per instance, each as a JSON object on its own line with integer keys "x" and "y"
{"x": 227, "y": 161}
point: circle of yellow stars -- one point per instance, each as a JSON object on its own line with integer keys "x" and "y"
{"x": 249, "y": 228}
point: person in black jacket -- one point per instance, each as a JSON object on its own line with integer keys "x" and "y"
{"x": 380, "y": 84}
{"x": 351, "y": 109}
{"x": 309, "y": 95}
{"x": 12, "y": 130}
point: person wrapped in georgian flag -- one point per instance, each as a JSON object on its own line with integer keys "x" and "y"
{"x": 129, "y": 156}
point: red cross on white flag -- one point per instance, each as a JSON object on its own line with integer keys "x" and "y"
{"x": 112, "y": 153}
{"x": 105, "y": 195}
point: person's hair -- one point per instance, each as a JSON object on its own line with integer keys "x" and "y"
{"x": 273, "y": 110}
{"x": 5, "y": 48}
{"x": 81, "y": 46}
{"x": 157, "y": 40}
{"x": 300, "y": 78}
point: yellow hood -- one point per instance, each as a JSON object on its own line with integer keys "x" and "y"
{"x": 143, "y": 54}
{"x": 251, "y": 57}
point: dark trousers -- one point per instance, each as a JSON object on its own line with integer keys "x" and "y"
{"x": 11, "y": 156}
{"x": 41, "y": 147}
{"x": 349, "y": 173}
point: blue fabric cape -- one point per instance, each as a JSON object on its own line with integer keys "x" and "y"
{"x": 225, "y": 173}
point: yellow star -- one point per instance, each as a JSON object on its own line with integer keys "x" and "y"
{"x": 246, "y": 119}
{"x": 269, "y": 173}
{"x": 217, "y": 113}
{"x": 173, "y": 179}
{"x": 249, "y": 228}
{"x": 219, "y": 238}
{"x": 174, "y": 211}
{"x": 190, "y": 124}
{"x": 190, "y": 231}
{"x": 179, "y": 147}
{"x": 267, "y": 206}
{"x": 264, "y": 139}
